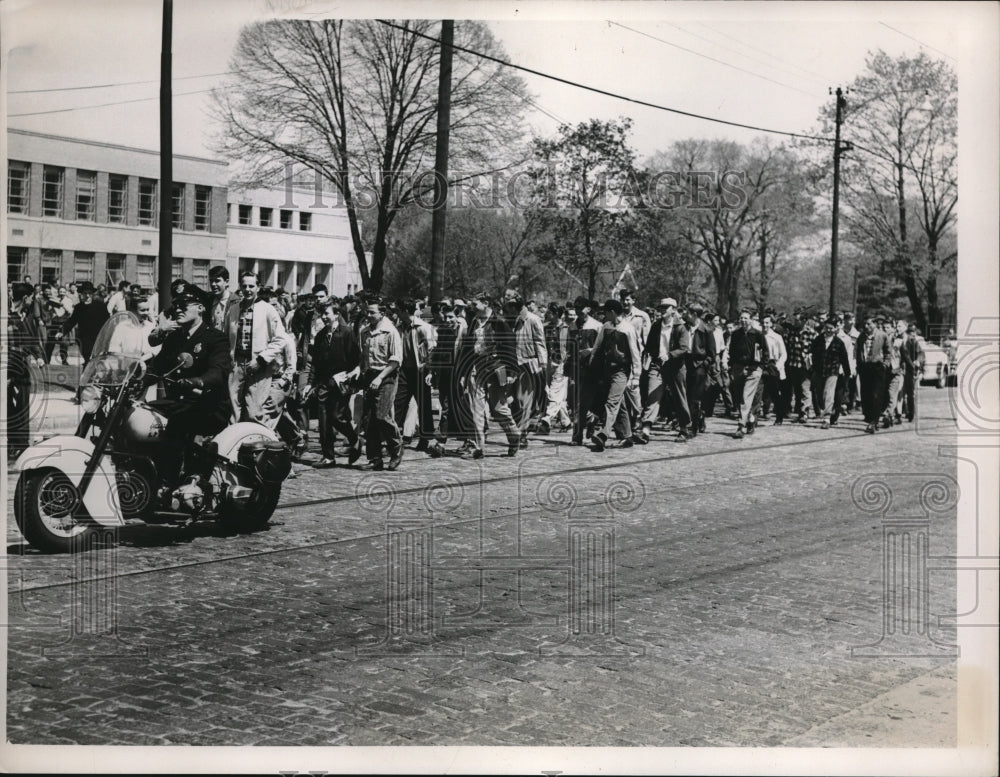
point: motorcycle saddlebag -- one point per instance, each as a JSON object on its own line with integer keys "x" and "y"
{"x": 267, "y": 461}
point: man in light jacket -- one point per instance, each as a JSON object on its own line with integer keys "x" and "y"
{"x": 256, "y": 339}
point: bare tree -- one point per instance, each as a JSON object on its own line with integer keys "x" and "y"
{"x": 354, "y": 102}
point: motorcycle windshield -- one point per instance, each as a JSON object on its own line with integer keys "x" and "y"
{"x": 117, "y": 353}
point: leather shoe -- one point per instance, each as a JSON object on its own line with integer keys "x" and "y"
{"x": 599, "y": 441}
{"x": 353, "y": 454}
{"x": 378, "y": 465}
{"x": 513, "y": 448}
{"x": 436, "y": 450}
{"x": 523, "y": 442}
{"x": 395, "y": 460}
{"x": 325, "y": 463}
{"x": 472, "y": 453}
{"x": 543, "y": 427}
{"x": 423, "y": 446}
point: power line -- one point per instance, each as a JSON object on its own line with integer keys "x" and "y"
{"x": 102, "y": 105}
{"x": 918, "y": 41}
{"x": 706, "y": 56}
{"x": 606, "y": 93}
{"x": 818, "y": 76}
{"x": 108, "y": 86}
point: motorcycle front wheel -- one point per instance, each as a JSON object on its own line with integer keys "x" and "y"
{"x": 50, "y": 513}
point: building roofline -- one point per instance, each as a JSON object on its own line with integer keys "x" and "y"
{"x": 102, "y": 144}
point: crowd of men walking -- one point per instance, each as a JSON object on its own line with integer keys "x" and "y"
{"x": 609, "y": 373}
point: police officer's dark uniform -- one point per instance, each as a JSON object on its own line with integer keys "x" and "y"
{"x": 190, "y": 413}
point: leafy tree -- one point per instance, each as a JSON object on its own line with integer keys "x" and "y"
{"x": 355, "y": 102}
{"x": 901, "y": 117}
{"x": 582, "y": 181}
{"x": 727, "y": 197}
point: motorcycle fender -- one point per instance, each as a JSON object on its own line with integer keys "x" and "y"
{"x": 232, "y": 437}
{"x": 70, "y": 455}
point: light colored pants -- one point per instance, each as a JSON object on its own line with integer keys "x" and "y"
{"x": 745, "y": 383}
{"x": 557, "y": 410}
{"x": 895, "y": 394}
{"x": 251, "y": 397}
{"x": 828, "y": 385}
{"x": 493, "y": 397}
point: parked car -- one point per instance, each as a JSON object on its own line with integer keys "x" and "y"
{"x": 939, "y": 366}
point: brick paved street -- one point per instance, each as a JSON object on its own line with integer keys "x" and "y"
{"x": 473, "y": 603}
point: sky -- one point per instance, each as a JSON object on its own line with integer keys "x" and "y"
{"x": 769, "y": 65}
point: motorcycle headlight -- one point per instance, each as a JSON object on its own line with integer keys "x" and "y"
{"x": 90, "y": 399}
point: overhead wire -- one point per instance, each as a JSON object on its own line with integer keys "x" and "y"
{"x": 606, "y": 93}
{"x": 925, "y": 45}
{"x": 819, "y": 77}
{"x": 706, "y": 56}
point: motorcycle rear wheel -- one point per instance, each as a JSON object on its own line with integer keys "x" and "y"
{"x": 50, "y": 513}
{"x": 256, "y": 515}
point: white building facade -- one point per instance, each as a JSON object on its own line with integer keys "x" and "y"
{"x": 83, "y": 210}
{"x": 290, "y": 241}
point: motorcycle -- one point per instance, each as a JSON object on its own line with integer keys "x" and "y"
{"x": 106, "y": 474}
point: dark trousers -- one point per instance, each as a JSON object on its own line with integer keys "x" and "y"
{"x": 411, "y": 384}
{"x": 697, "y": 385}
{"x": 584, "y": 392}
{"x": 456, "y": 411}
{"x": 185, "y": 420}
{"x": 872, "y": 376}
{"x": 379, "y": 417}
{"x": 776, "y": 394}
{"x": 718, "y": 386}
{"x": 50, "y": 344}
{"x": 676, "y": 379}
{"x": 334, "y": 411}
{"x": 910, "y": 394}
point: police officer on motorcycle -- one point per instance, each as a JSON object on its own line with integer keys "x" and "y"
{"x": 197, "y": 391}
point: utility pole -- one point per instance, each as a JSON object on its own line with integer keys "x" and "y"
{"x": 166, "y": 251}
{"x": 837, "y": 150}
{"x": 439, "y": 216}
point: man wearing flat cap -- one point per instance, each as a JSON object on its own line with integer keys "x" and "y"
{"x": 665, "y": 355}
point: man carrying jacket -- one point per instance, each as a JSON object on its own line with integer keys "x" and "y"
{"x": 335, "y": 364}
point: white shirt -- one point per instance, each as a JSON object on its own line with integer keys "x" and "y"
{"x": 776, "y": 350}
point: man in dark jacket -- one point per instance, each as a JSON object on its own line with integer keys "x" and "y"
{"x": 334, "y": 364}
{"x": 199, "y": 393}
{"x": 665, "y": 356}
{"x": 24, "y": 347}
{"x": 492, "y": 358}
{"x": 700, "y": 362}
{"x": 829, "y": 358}
{"x": 88, "y": 317}
{"x": 582, "y": 390}
{"x": 873, "y": 360}
{"x": 747, "y": 355}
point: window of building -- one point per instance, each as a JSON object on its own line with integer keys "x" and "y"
{"x": 199, "y": 273}
{"x": 246, "y": 212}
{"x": 52, "y": 191}
{"x": 86, "y": 195}
{"x": 286, "y": 219}
{"x": 117, "y": 199}
{"x": 177, "y": 268}
{"x": 17, "y": 263}
{"x": 51, "y": 265}
{"x": 145, "y": 271}
{"x": 202, "y": 208}
{"x": 305, "y": 221}
{"x": 281, "y": 276}
{"x": 177, "y": 206}
{"x": 116, "y": 268}
{"x": 83, "y": 266}
{"x": 267, "y": 217}
{"x": 18, "y": 186}
{"x": 147, "y": 202}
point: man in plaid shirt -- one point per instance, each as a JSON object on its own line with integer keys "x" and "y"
{"x": 801, "y": 333}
